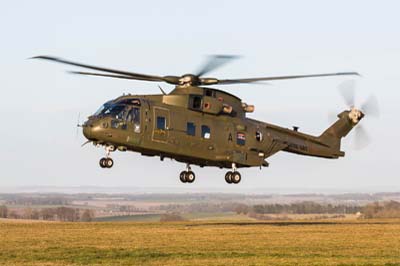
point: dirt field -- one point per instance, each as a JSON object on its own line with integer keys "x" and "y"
{"x": 372, "y": 242}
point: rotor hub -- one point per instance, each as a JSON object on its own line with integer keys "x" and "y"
{"x": 355, "y": 115}
{"x": 189, "y": 79}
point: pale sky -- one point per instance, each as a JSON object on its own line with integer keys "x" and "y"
{"x": 41, "y": 102}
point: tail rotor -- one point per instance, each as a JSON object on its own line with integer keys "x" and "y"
{"x": 370, "y": 108}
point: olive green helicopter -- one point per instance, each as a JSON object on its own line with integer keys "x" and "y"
{"x": 199, "y": 125}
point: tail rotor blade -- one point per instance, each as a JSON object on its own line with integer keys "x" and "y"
{"x": 362, "y": 138}
{"x": 347, "y": 90}
{"x": 371, "y": 106}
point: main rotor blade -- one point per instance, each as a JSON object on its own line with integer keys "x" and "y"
{"x": 104, "y": 75}
{"x": 138, "y": 76}
{"x": 347, "y": 90}
{"x": 371, "y": 106}
{"x": 212, "y": 81}
{"x": 214, "y": 62}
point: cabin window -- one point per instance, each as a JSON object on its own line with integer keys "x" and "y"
{"x": 205, "y": 132}
{"x": 240, "y": 139}
{"x": 210, "y": 93}
{"x": 191, "y": 129}
{"x": 195, "y": 102}
{"x": 259, "y": 136}
{"x": 161, "y": 123}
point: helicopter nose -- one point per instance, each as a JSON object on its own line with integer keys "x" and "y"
{"x": 87, "y": 131}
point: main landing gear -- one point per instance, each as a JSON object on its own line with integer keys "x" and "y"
{"x": 187, "y": 176}
{"x": 233, "y": 177}
{"x": 107, "y": 162}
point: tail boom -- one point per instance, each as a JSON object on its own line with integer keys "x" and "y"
{"x": 328, "y": 144}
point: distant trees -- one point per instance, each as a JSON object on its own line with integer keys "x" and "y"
{"x": 305, "y": 207}
{"x": 171, "y": 217}
{"x": 32, "y": 214}
{"x": 36, "y": 200}
{"x": 389, "y": 209}
{"x": 242, "y": 209}
{"x": 87, "y": 216}
{"x": 50, "y": 214}
{"x": 3, "y": 211}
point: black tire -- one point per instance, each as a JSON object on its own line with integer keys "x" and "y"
{"x": 228, "y": 177}
{"x": 190, "y": 177}
{"x": 236, "y": 177}
{"x": 182, "y": 176}
{"x": 102, "y": 162}
{"x": 109, "y": 162}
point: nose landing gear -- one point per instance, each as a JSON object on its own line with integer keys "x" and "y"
{"x": 107, "y": 162}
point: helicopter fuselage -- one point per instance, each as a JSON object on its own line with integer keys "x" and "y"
{"x": 200, "y": 126}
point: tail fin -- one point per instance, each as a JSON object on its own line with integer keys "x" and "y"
{"x": 333, "y": 135}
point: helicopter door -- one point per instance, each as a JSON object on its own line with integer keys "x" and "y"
{"x": 161, "y": 124}
{"x": 133, "y": 124}
{"x": 134, "y": 119}
{"x": 237, "y": 143}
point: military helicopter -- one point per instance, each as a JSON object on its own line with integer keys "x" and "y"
{"x": 199, "y": 125}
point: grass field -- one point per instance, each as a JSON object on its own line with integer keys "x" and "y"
{"x": 372, "y": 242}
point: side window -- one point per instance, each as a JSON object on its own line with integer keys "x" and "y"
{"x": 210, "y": 93}
{"x": 191, "y": 129}
{"x": 195, "y": 102}
{"x": 161, "y": 123}
{"x": 240, "y": 139}
{"x": 205, "y": 132}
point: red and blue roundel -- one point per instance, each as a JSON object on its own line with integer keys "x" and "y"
{"x": 240, "y": 138}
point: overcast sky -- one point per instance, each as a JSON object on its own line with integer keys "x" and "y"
{"x": 40, "y": 101}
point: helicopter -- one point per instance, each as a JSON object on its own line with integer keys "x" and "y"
{"x": 199, "y": 125}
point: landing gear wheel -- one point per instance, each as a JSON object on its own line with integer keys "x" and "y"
{"x": 228, "y": 177}
{"x": 102, "y": 162}
{"x": 190, "y": 177}
{"x": 236, "y": 177}
{"x": 182, "y": 176}
{"x": 109, "y": 162}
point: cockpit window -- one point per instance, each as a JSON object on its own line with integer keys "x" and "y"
{"x": 101, "y": 109}
{"x": 117, "y": 111}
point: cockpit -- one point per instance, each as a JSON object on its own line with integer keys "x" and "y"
{"x": 124, "y": 114}
{"x": 117, "y": 109}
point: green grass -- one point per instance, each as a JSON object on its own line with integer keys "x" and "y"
{"x": 372, "y": 242}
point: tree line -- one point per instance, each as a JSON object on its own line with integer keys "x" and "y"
{"x": 35, "y": 200}
{"x": 49, "y": 214}
{"x": 389, "y": 209}
{"x": 305, "y": 207}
